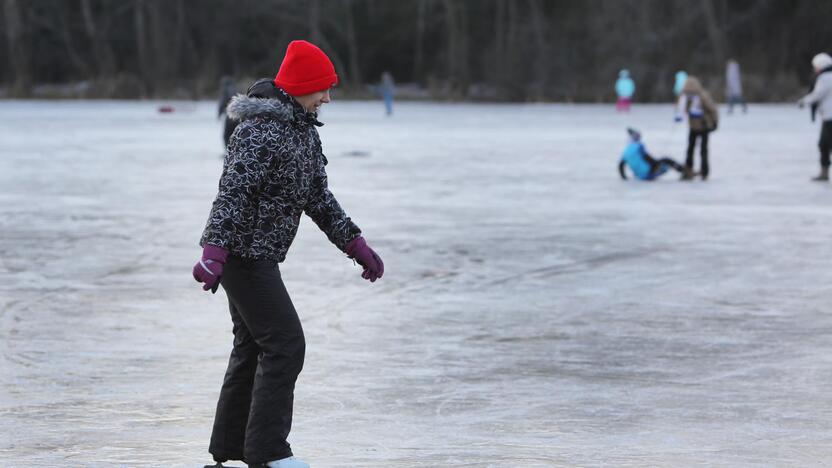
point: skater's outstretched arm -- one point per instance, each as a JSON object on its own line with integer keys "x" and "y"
{"x": 621, "y": 170}
{"x": 822, "y": 88}
{"x": 681, "y": 108}
{"x": 325, "y": 211}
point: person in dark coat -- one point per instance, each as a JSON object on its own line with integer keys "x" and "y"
{"x": 227, "y": 91}
{"x": 274, "y": 171}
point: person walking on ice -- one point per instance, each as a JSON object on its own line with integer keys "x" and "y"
{"x": 274, "y": 171}
{"x": 679, "y": 82}
{"x": 625, "y": 88}
{"x": 388, "y": 91}
{"x": 733, "y": 86}
{"x": 696, "y": 103}
{"x": 644, "y": 166}
{"x": 820, "y": 100}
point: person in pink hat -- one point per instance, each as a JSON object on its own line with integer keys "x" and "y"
{"x": 274, "y": 171}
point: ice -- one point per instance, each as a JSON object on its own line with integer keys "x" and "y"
{"x": 535, "y": 310}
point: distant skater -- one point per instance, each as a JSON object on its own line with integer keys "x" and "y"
{"x": 227, "y": 91}
{"x": 625, "y": 88}
{"x": 642, "y": 164}
{"x": 388, "y": 91}
{"x": 696, "y": 104}
{"x": 274, "y": 172}
{"x": 820, "y": 100}
{"x": 679, "y": 82}
{"x": 733, "y": 86}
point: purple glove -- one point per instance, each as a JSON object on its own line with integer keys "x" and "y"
{"x": 367, "y": 258}
{"x": 209, "y": 268}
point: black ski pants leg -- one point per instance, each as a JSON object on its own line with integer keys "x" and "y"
{"x": 825, "y": 143}
{"x": 254, "y": 411}
{"x": 669, "y": 162}
{"x": 703, "y": 151}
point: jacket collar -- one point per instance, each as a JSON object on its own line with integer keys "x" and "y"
{"x": 281, "y": 107}
{"x": 298, "y": 112}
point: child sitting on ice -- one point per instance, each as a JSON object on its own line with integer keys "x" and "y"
{"x": 644, "y": 166}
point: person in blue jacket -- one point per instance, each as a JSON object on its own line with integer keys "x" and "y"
{"x": 644, "y": 166}
{"x": 679, "y": 83}
{"x": 388, "y": 91}
{"x": 624, "y": 88}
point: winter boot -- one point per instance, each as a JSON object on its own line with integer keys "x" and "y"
{"x": 290, "y": 462}
{"x": 823, "y": 176}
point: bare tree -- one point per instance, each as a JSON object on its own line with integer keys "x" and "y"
{"x": 713, "y": 29}
{"x": 140, "y": 38}
{"x": 539, "y": 33}
{"x": 103, "y": 53}
{"x": 456, "y": 24}
{"x": 517, "y": 49}
{"x": 18, "y": 48}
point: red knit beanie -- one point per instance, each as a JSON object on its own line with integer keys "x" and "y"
{"x": 305, "y": 70}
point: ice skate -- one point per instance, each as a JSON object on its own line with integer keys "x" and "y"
{"x": 220, "y": 465}
{"x": 290, "y": 462}
{"x": 688, "y": 174}
{"x": 823, "y": 176}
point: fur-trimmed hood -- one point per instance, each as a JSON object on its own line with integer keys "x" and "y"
{"x": 242, "y": 107}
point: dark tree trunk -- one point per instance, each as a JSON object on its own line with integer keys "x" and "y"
{"x": 140, "y": 37}
{"x": 103, "y": 53}
{"x": 18, "y": 48}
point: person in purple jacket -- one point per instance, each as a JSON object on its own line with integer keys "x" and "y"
{"x": 274, "y": 171}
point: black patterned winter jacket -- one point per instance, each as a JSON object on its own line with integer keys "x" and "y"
{"x": 273, "y": 172}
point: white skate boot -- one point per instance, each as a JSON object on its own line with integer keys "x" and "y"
{"x": 290, "y": 462}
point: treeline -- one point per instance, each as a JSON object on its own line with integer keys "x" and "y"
{"x": 522, "y": 50}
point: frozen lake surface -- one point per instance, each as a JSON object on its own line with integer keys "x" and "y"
{"x": 536, "y": 310}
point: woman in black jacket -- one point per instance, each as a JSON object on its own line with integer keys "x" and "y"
{"x": 274, "y": 171}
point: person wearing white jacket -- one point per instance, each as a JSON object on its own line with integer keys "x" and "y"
{"x": 820, "y": 98}
{"x": 733, "y": 86}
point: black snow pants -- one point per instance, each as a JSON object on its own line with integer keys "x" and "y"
{"x": 254, "y": 412}
{"x": 825, "y": 143}
{"x": 656, "y": 165}
{"x": 703, "y": 151}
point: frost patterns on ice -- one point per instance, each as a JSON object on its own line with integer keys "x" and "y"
{"x": 535, "y": 310}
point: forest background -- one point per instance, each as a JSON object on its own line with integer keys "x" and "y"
{"x": 495, "y": 50}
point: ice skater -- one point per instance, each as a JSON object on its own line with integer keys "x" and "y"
{"x": 820, "y": 98}
{"x": 625, "y": 87}
{"x": 227, "y": 91}
{"x": 388, "y": 91}
{"x": 733, "y": 86}
{"x": 273, "y": 172}
{"x": 697, "y": 105}
{"x": 644, "y": 166}
{"x": 679, "y": 82}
